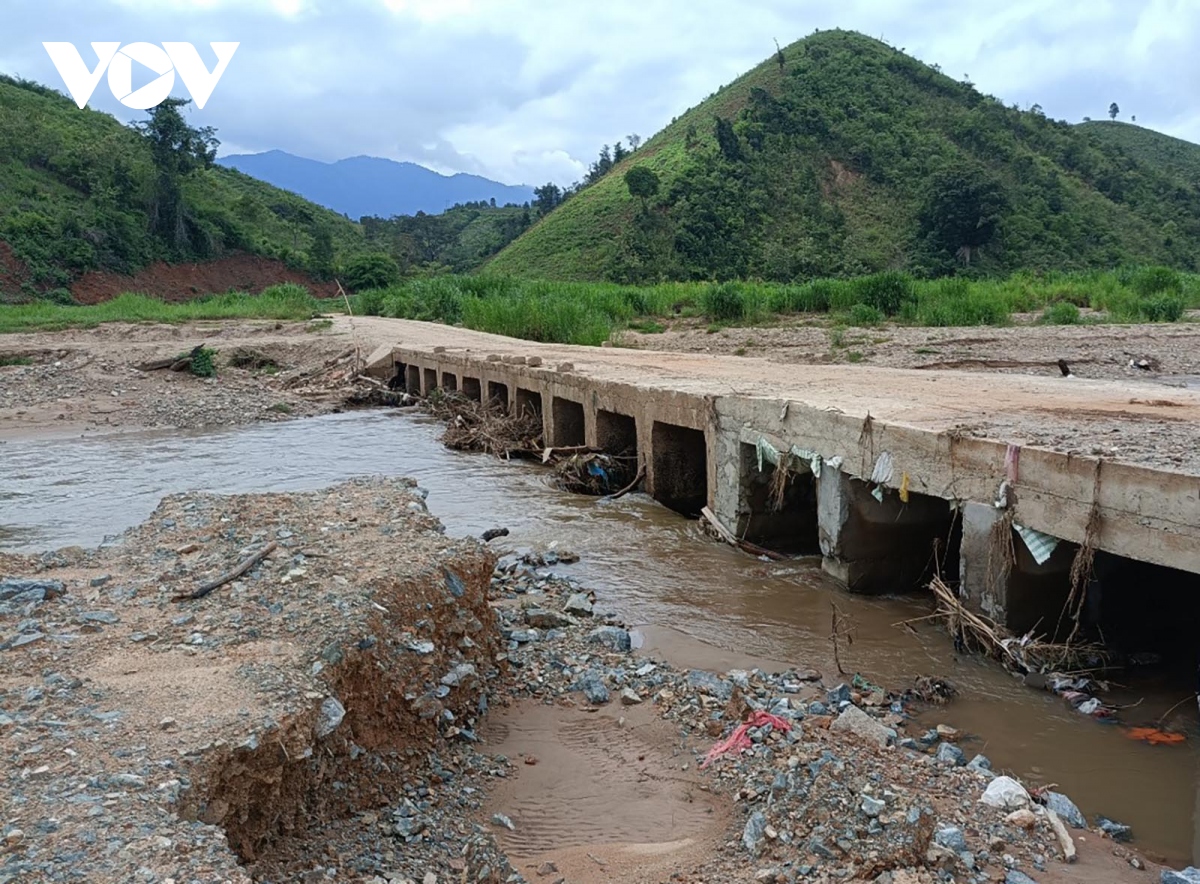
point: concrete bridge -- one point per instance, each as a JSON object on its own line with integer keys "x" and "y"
{"x": 891, "y": 467}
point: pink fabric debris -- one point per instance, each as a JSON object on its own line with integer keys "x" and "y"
{"x": 1012, "y": 463}
{"x": 738, "y": 741}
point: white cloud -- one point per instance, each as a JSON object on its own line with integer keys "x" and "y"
{"x": 528, "y": 90}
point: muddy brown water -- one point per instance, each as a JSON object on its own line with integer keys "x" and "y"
{"x": 695, "y": 603}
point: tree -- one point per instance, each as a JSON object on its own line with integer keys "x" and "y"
{"x": 727, "y": 140}
{"x": 635, "y": 141}
{"x": 643, "y": 183}
{"x": 546, "y": 198}
{"x": 779, "y": 57}
{"x": 1113, "y": 110}
{"x": 177, "y": 150}
{"x": 963, "y": 206}
{"x": 370, "y": 271}
{"x": 321, "y": 255}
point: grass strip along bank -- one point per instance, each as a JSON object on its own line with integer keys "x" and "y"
{"x": 589, "y": 313}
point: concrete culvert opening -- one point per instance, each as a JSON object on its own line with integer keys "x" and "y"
{"x": 449, "y": 382}
{"x": 616, "y": 433}
{"x": 884, "y": 545}
{"x": 431, "y": 380}
{"x": 413, "y": 380}
{"x": 472, "y": 389}
{"x": 529, "y": 402}
{"x": 568, "y": 423}
{"x": 1146, "y": 616}
{"x": 778, "y": 505}
{"x": 680, "y": 468}
{"x": 498, "y": 394}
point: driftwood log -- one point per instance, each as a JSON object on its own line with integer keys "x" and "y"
{"x": 245, "y": 565}
{"x": 174, "y": 363}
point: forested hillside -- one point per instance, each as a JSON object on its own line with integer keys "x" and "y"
{"x": 79, "y": 191}
{"x": 840, "y": 156}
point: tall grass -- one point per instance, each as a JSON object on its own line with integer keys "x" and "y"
{"x": 277, "y": 302}
{"x": 589, "y": 313}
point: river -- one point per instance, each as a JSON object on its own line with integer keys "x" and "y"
{"x": 695, "y": 602}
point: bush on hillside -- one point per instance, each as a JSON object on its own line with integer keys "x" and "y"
{"x": 370, "y": 271}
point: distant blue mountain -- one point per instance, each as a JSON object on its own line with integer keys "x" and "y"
{"x": 361, "y": 186}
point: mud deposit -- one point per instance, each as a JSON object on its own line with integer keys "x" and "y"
{"x": 695, "y": 604}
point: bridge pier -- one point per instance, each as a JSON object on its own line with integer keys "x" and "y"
{"x": 999, "y": 577}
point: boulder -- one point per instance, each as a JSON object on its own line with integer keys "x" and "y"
{"x": 854, "y": 721}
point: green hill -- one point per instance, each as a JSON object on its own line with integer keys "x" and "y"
{"x": 77, "y": 193}
{"x": 842, "y": 156}
{"x": 1173, "y": 155}
{"x": 459, "y": 239}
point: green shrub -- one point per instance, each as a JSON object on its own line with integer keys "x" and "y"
{"x": 1147, "y": 281}
{"x": 1162, "y": 308}
{"x": 866, "y": 315}
{"x": 204, "y": 363}
{"x": 886, "y": 292}
{"x": 1061, "y": 313}
{"x": 368, "y": 303}
{"x": 724, "y": 302}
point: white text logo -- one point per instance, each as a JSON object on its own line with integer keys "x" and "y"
{"x": 165, "y": 61}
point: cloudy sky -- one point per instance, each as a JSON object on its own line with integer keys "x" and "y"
{"x": 526, "y": 91}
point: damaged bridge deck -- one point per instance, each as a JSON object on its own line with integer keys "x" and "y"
{"x": 882, "y": 463}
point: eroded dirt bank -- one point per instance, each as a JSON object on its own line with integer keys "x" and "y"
{"x": 321, "y": 717}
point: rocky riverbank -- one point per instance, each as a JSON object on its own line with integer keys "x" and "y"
{"x": 371, "y": 701}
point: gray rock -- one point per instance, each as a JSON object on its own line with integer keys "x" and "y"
{"x": 454, "y": 583}
{"x": 593, "y": 689}
{"x": 500, "y": 819}
{"x": 710, "y": 684}
{"x": 817, "y": 708}
{"x": 754, "y": 832}
{"x": 980, "y": 763}
{"x": 458, "y": 674}
{"x": 948, "y": 753}
{"x": 952, "y": 838}
{"x": 543, "y": 618}
{"x": 1116, "y": 831}
{"x": 854, "y": 721}
{"x": 332, "y": 713}
{"x": 99, "y": 617}
{"x": 20, "y": 590}
{"x": 872, "y": 807}
{"x": 579, "y": 604}
{"x": 1012, "y": 876}
{"x": 1190, "y": 875}
{"x": 629, "y": 697}
{"x": 612, "y": 637}
{"x": 421, "y": 647}
{"x": 1065, "y": 808}
{"x": 839, "y": 695}
{"x": 24, "y": 639}
{"x": 524, "y": 636}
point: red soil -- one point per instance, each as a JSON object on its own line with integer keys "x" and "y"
{"x": 172, "y": 282}
{"x": 183, "y": 282}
